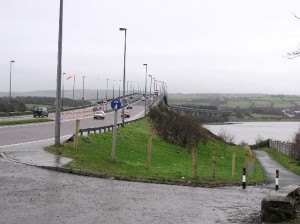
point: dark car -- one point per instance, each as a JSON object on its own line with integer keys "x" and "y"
{"x": 40, "y": 112}
{"x": 126, "y": 114}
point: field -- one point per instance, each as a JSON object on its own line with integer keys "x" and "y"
{"x": 236, "y": 100}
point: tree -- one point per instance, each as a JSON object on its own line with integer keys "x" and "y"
{"x": 296, "y": 53}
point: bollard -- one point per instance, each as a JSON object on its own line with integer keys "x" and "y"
{"x": 277, "y": 180}
{"x": 244, "y": 178}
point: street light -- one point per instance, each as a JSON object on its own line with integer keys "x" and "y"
{"x": 124, "y": 75}
{"x": 74, "y": 92}
{"x": 97, "y": 89}
{"x": 106, "y": 89}
{"x": 119, "y": 88}
{"x": 154, "y": 80}
{"x": 146, "y": 89}
{"x": 83, "y": 77}
{"x": 150, "y": 84}
{"x": 63, "y": 92}
{"x": 127, "y": 86}
{"x": 58, "y": 77}
{"x": 10, "y": 80}
{"x": 114, "y": 89}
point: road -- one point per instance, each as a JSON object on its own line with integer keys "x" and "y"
{"x": 40, "y": 131}
{"x": 33, "y": 195}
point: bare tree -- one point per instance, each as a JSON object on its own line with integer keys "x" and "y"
{"x": 227, "y": 137}
{"x": 296, "y": 53}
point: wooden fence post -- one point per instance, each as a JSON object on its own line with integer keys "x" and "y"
{"x": 195, "y": 161}
{"x": 214, "y": 163}
{"x": 233, "y": 165}
{"x": 76, "y": 134}
{"x": 149, "y": 150}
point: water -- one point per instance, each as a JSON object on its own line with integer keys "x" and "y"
{"x": 250, "y": 131}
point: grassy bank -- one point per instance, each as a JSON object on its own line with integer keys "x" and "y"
{"x": 284, "y": 160}
{"x": 29, "y": 121}
{"x": 169, "y": 162}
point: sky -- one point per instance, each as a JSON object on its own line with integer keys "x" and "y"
{"x": 207, "y": 46}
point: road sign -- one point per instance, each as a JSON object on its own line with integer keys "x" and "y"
{"x": 116, "y": 104}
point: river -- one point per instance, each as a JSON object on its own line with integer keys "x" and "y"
{"x": 250, "y": 131}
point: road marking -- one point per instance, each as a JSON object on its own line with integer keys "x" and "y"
{"x": 25, "y": 143}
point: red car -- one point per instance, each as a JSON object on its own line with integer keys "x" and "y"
{"x": 126, "y": 114}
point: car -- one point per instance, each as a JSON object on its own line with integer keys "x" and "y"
{"x": 99, "y": 115}
{"x": 40, "y": 112}
{"x": 126, "y": 114}
{"x": 143, "y": 98}
{"x": 129, "y": 107}
{"x": 98, "y": 107}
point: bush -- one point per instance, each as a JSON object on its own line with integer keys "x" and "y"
{"x": 181, "y": 130}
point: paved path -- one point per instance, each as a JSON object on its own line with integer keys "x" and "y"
{"x": 270, "y": 166}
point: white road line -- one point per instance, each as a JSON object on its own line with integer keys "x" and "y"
{"x": 25, "y": 143}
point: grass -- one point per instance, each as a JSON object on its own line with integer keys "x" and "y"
{"x": 24, "y": 121}
{"x": 169, "y": 162}
{"x": 30, "y": 106}
{"x": 287, "y": 162}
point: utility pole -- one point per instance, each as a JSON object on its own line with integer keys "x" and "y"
{"x": 58, "y": 83}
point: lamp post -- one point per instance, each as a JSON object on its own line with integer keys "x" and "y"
{"x": 150, "y": 84}
{"x": 127, "y": 86}
{"x": 58, "y": 77}
{"x": 146, "y": 65}
{"x": 97, "y": 89}
{"x": 10, "y": 79}
{"x": 83, "y": 77}
{"x": 119, "y": 89}
{"x": 124, "y": 75}
{"x": 74, "y": 92}
{"x": 106, "y": 89}
{"x": 114, "y": 89}
{"x": 63, "y": 92}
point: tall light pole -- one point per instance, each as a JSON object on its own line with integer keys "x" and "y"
{"x": 97, "y": 89}
{"x": 127, "y": 86}
{"x": 74, "y": 91}
{"x": 150, "y": 84}
{"x": 10, "y": 79}
{"x": 124, "y": 75}
{"x": 63, "y": 92}
{"x": 106, "y": 89}
{"x": 58, "y": 77}
{"x": 119, "y": 89}
{"x": 114, "y": 89}
{"x": 146, "y": 65}
{"x": 83, "y": 77}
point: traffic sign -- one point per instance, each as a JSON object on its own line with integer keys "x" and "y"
{"x": 116, "y": 104}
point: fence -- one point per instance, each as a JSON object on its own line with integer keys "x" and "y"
{"x": 287, "y": 148}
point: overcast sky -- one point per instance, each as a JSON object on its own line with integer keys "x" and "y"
{"x": 207, "y": 46}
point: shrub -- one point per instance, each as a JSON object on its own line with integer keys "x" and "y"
{"x": 181, "y": 130}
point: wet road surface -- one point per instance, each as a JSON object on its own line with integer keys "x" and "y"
{"x": 33, "y": 195}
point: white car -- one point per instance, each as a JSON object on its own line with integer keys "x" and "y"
{"x": 99, "y": 115}
{"x": 143, "y": 98}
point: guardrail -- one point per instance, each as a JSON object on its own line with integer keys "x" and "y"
{"x": 104, "y": 129}
{"x": 110, "y": 128}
